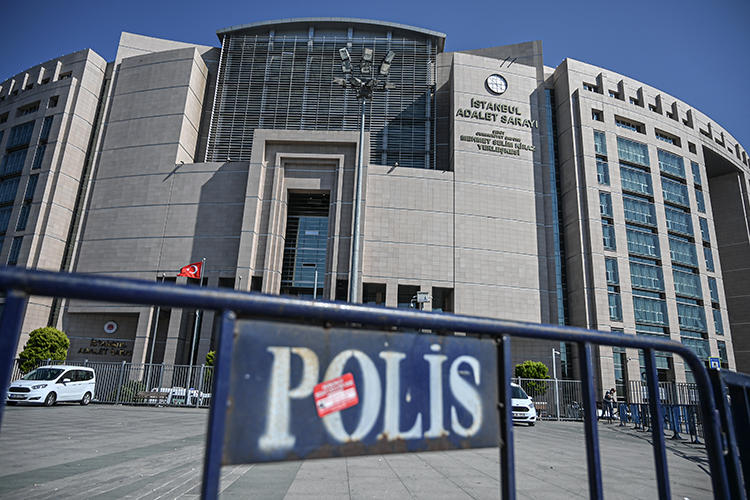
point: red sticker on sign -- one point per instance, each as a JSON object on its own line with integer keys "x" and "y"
{"x": 336, "y": 394}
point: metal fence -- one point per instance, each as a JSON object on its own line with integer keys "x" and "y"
{"x": 144, "y": 383}
{"x": 719, "y": 431}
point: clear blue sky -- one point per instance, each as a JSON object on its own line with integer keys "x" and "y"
{"x": 697, "y": 51}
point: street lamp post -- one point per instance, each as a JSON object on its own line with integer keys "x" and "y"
{"x": 365, "y": 87}
{"x": 554, "y": 376}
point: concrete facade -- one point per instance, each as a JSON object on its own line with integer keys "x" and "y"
{"x": 507, "y": 224}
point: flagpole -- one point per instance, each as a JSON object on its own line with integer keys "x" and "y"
{"x": 153, "y": 339}
{"x": 195, "y": 333}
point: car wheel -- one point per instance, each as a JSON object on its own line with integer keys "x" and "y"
{"x": 86, "y": 399}
{"x": 11, "y": 403}
{"x": 51, "y": 399}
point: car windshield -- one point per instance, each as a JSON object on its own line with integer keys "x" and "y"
{"x": 43, "y": 374}
{"x": 518, "y": 393}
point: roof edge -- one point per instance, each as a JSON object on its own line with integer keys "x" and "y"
{"x": 351, "y": 20}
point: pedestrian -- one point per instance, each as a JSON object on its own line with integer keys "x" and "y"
{"x": 613, "y": 403}
{"x": 607, "y": 410}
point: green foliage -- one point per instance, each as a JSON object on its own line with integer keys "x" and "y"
{"x": 533, "y": 370}
{"x": 128, "y": 391}
{"x": 44, "y": 343}
{"x": 210, "y": 358}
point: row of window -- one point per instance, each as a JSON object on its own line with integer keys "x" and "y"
{"x": 374, "y": 294}
{"x": 643, "y": 243}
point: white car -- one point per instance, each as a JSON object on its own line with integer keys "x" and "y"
{"x": 49, "y": 384}
{"x": 523, "y": 406}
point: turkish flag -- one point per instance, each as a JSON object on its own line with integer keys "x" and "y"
{"x": 192, "y": 270}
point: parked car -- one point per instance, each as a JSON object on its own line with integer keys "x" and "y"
{"x": 48, "y": 385}
{"x": 523, "y": 406}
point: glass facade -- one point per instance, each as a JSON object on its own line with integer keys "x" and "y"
{"x": 608, "y": 235}
{"x": 687, "y": 284}
{"x": 678, "y": 220}
{"x": 709, "y": 256}
{"x": 605, "y": 205}
{"x": 615, "y": 304}
{"x": 613, "y": 276}
{"x": 279, "y": 77}
{"x": 699, "y": 201}
{"x": 682, "y": 251}
{"x": 696, "y": 173}
{"x": 691, "y": 317}
{"x": 600, "y": 143}
{"x": 649, "y": 309}
{"x": 718, "y": 325}
{"x": 714, "y": 289}
{"x": 602, "y": 171}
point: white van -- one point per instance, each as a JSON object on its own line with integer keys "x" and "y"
{"x": 49, "y": 384}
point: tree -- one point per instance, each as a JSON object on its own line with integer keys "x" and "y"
{"x": 210, "y": 358}
{"x": 44, "y": 343}
{"x": 534, "y": 370}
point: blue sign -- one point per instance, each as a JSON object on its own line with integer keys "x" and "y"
{"x": 414, "y": 392}
{"x": 714, "y": 363}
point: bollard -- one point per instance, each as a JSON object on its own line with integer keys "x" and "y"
{"x": 693, "y": 425}
{"x": 623, "y": 410}
{"x": 199, "y": 396}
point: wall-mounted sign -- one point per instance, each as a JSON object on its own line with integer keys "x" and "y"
{"x": 497, "y": 142}
{"x": 99, "y": 347}
{"x": 489, "y": 111}
{"x": 496, "y": 84}
{"x": 110, "y": 327}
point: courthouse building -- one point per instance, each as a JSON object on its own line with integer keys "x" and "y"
{"x": 498, "y": 185}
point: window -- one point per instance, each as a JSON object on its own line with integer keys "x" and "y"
{"x": 649, "y": 309}
{"x": 23, "y": 217}
{"x": 698, "y": 346}
{"x": 696, "y": 173}
{"x": 590, "y": 87}
{"x": 8, "y": 190}
{"x": 20, "y": 135}
{"x": 692, "y": 148}
{"x": 602, "y": 172}
{"x": 4, "y": 117}
{"x": 636, "y": 180}
{"x": 38, "y": 156}
{"x": 678, "y": 220}
{"x": 682, "y": 251}
{"x": 46, "y": 127}
{"x": 5, "y": 218}
{"x": 700, "y": 201}
{"x": 633, "y": 152}
{"x": 614, "y": 93}
{"x": 687, "y": 284}
{"x": 65, "y": 75}
{"x": 630, "y": 124}
{"x": 12, "y": 163}
{"x": 615, "y": 304}
{"x": 668, "y": 138}
{"x": 52, "y": 103}
{"x": 675, "y": 192}
{"x": 691, "y": 317}
{"x": 600, "y": 143}
{"x": 718, "y": 325}
{"x": 610, "y": 265}
{"x": 671, "y": 164}
{"x": 714, "y": 290}
{"x": 722, "y": 347}
{"x": 605, "y": 204}
{"x": 442, "y": 299}
{"x": 15, "y": 250}
{"x": 709, "y": 258}
{"x": 597, "y": 115}
{"x": 373, "y": 294}
{"x": 646, "y": 276}
{"x": 28, "y": 109}
{"x": 642, "y": 329}
{"x": 643, "y": 243}
{"x": 405, "y": 295}
{"x": 635, "y": 101}
{"x": 256, "y": 284}
{"x": 639, "y": 211}
{"x": 704, "y": 229}
{"x": 608, "y": 235}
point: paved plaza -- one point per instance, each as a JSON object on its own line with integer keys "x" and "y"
{"x": 100, "y": 451}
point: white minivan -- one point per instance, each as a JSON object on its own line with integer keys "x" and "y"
{"x": 49, "y": 384}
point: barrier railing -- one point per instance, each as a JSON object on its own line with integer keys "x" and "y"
{"x": 19, "y": 284}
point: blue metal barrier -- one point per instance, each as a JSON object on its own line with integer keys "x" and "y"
{"x": 19, "y": 284}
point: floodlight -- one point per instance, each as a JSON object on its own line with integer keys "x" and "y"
{"x": 346, "y": 65}
{"x": 385, "y": 68}
{"x": 389, "y": 57}
{"x": 367, "y": 55}
{"x": 344, "y": 54}
{"x": 340, "y": 81}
